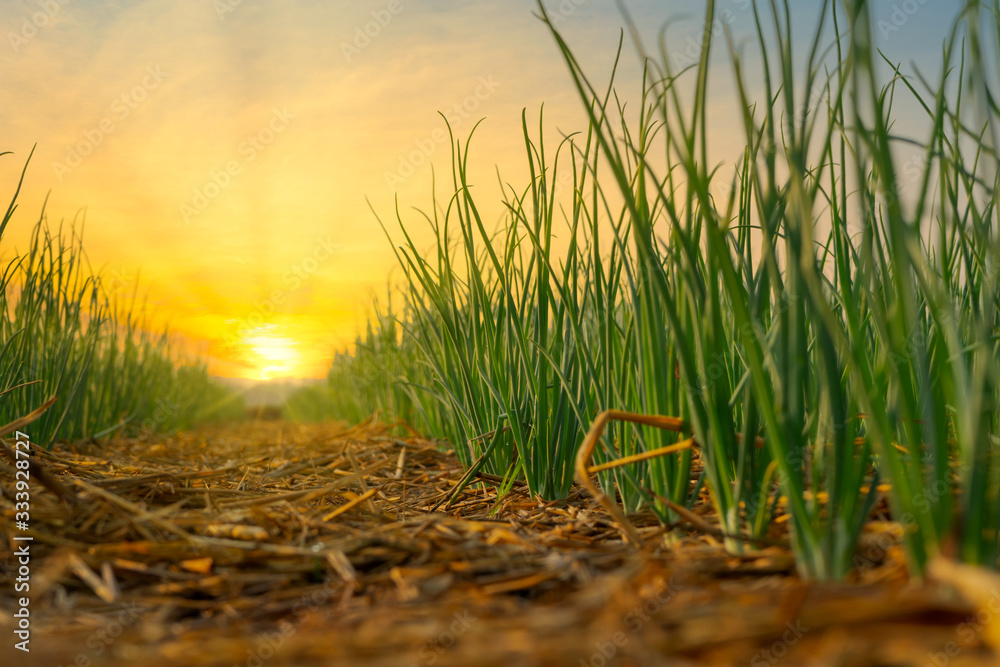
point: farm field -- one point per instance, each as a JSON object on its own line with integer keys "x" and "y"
{"x": 711, "y": 378}
{"x": 284, "y": 544}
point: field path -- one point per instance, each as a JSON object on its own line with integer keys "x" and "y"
{"x": 278, "y": 544}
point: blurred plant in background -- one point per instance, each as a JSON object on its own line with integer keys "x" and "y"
{"x": 820, "y": 334}
{"x": 62, "y": 334}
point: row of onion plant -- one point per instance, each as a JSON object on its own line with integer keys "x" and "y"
{"x": 821, "y": 331}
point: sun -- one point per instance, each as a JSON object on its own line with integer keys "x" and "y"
{"x": 274, "y": 356}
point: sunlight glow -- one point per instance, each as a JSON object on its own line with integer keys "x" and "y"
{"x": 272, "y": 356}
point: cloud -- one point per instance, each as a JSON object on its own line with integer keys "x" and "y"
{"x": 352, "y": 121}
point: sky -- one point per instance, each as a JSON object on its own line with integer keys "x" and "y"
{"x": 229, "y": 157}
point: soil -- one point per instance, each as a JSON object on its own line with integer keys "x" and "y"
{"x": 269, "y": 543}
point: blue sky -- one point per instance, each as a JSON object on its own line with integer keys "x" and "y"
{"x": 226, "y": 150}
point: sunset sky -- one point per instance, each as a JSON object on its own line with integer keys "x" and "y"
{"x": 224, "y": 150}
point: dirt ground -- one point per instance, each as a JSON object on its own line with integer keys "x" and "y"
{"x": 275, "y": 544}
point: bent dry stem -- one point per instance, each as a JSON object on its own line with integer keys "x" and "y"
{"x": 822, "y": 334}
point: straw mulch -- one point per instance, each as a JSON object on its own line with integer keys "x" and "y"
{"x": 278, "y": 544}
